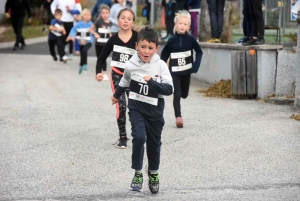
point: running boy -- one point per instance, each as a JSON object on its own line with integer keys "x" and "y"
{"x": 102, "y": 34}
{"x": 81, "y": 30}
{"x": 180, "y": 47}
{"x": 148, "y": 79}
{"x": 56, "y": 37}
{"x": 122, "y": 44}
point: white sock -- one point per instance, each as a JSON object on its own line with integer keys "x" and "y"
{"x": 139, "y": 171}
{"x": 153, "y": 171}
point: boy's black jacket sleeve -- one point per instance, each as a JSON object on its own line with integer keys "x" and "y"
{"x": 119, "y": 92}
{"x": 160, "y": 88}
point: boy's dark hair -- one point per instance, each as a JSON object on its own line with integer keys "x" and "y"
{"x": 149, "y": 34}
{"x": 58, "y": 11}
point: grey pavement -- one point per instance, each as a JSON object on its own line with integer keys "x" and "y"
{"x": 57, "y": 129}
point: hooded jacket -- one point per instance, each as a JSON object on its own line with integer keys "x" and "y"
{"x": 146, "y": 97}
{"x": 182, "y": 43}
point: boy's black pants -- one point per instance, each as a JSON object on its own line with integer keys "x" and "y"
{"x": 147, "y": 131}
{"x": 68, "y": 26}
{"x": 181, "y": 85}
{"x": 59, "y": 43}
{"x": 83, "y": 53}
{"x": 17, "y": 24}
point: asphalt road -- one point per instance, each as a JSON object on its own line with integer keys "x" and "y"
{"x": 57, "y": 129}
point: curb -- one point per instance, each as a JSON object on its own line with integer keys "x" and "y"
{"x": 29, "y": 41}
{"x": 280, "y": 101}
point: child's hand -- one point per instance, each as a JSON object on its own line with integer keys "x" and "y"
{"x": 7, "y": 15}
{"x": 147, "y": 78}
{"x": 64, "y": 31}
{"x": 114, "y": 100}
{"x": 97, "y": 36}
{"x": 99, "y": 77}
{"x": 68, "y": 38}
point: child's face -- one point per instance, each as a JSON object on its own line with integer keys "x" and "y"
{"x": 182, "y": 25}
{"x": 86, "y": 17}
{"x": 121, "y": 2}
{"x": 104, "y": 14}
{"x": 146, "y": 50}
{"x": 57, "y": 16}
{"x": 125, "y": 20}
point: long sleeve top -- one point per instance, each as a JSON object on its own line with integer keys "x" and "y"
{"x": 95, "y": 10}
{"x": 113, "y": 17}
{"x": 85, "y": 28}
{"x": 180, "y": 50}
{"x": 18, "y": 8}
{"x": 62, "y": 4}
{"x": 146, "y": 97}
{"x": 109, "y": 46}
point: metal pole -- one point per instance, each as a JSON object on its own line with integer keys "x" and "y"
{"x": 152, "y": 13}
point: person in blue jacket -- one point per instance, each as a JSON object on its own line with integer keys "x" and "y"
{"x": 179, "y": 49}
{"x": 95, "y": 9}
{"x": 81, "y": 32}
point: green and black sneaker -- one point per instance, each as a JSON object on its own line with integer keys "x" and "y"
{"x": 137, "y": 182}
{"x": 153, "y": 182}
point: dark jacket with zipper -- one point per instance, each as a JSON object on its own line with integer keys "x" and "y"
{"x": 17, "y": 8}
{"x": 182, "y": 43}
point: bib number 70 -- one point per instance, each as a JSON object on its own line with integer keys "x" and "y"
{"x": 143, "y": 89}
{"x": 181, "y": 62}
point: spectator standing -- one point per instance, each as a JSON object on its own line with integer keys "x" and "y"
{"x": 194, "y": 8}
{"x": 247, "y": 27}
{"x": 114, "y": 12}
{"x": 169, "y": 6}
{"x": 95, "y": 9}
{"x": 15, "y": 10}
{"x": 216, "y": 14}
{"x": 46, "y": 14}
{"x": 67, "y": 17}
{"x": 257, "y": 21}
{"x": 180, "y": 5}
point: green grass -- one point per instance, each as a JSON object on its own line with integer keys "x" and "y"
{"x": 28, "y": 32}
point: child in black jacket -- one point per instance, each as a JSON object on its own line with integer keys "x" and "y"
{"x": 180, "y": 50}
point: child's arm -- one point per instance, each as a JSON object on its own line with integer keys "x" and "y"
{"x": 54, "y": 28}
{"x": 73, "y": 32}
{"x": 165, "y": 53}
{"x": 199, "y": 53}
{"x": 102, "y": 59}
{"x": 166, "y": 85}
{"x": 91, "y": 30}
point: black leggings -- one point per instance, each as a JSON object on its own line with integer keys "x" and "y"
{"x": 68, "y": 26}
{"x": 83, "y": 53}
{"x": 59, "y": 43}
{"x": 17, "y": 24}
{"x": 121, "y": 105}
{"x": 181, "y": 90}
{"x": 98, "y": 49}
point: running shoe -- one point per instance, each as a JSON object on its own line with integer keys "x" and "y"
{"x": 80, "y": 69}
{"x": 70, "y": 56}
{"x": 137, "y": 182}
{"x": 214, "y": 40}
{"x": 179, "y": 122}
{"x": 105, "y": 77}
{"x": 122, "y": 143}
{"x": 65, "y": 59}
{"x": 85, "y": 67}
{"x": 153, "y": 182}
{"x": 55, "y": 58}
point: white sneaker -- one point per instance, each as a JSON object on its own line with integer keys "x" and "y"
{"x": 65, "y": 59}
{"x": 105, "y": 77}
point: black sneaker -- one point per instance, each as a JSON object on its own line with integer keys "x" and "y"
{"x": 122, "y": 143}
{"x": 15, "y": 48}
{"x": 137, "y": 182}
{"x": 259, "y": 41}
{"x": 153, "y": 182}
{"x": 55, "y": 58}
{"x": 251, "y": 41}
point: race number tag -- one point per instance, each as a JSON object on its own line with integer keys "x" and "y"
{"x": 57, "y": 33}
{"x": 83, "y": 35}
{"x": 104, "y": 35}
{"x": 139, "y": 90}
{"x": 121, "y": 55}
{"x": 181, "y": 61}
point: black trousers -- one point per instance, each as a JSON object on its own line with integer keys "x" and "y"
{"x": 98, "y": 49}
{"x": 17, "y": 24}
{"x": 59, "y": 43}
{"x": 83, "y": 53}
{"x": 257, "y": 19}
{"x": 121, "y": 105}
{"x": 181, "y": 85}
{"x": 147, "y": 131}
{"x": 68, "y": 26}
